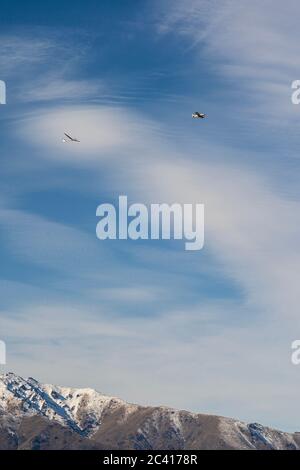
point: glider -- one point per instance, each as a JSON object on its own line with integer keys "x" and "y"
{"x": 72, "y": 139}
{"x": 198, "y": 115}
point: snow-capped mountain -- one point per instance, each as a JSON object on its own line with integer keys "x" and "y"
{"x": 40, "y": 416}
{"x": 78, "y": 409}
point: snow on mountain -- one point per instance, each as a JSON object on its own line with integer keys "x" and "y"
{"x": 41, "y": 416}
{"x": 79, "y": 409}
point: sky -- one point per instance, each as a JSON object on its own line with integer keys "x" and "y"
{"x": 208, "y": 331}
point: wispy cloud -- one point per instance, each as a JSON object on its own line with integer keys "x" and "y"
{"x": 140, "y": 359}
{"x": 105, "y": 132}
{"x": 24, "y": 52}
{"x": 55, "y": 88}
{"x": 145, "y": 309}
{"x": 41, "y": 67}
{"x": 246, "y": 43}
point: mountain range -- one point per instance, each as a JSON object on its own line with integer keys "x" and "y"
{"x": 42, "y": 416}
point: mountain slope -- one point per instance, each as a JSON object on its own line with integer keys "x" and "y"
{"x": 39, "y": 416}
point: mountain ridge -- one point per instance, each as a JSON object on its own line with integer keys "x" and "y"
{"x": 44, "y": 416}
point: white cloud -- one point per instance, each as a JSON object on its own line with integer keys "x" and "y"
{"x": 252, "y": 231}
{"x": 104, "y": 132}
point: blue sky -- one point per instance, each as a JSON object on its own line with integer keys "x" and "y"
{"x": 207, "y": 331}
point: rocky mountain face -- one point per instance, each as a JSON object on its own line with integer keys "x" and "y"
{"x": 39, "y": 416}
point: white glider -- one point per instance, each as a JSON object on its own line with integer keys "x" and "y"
{"x": 69, "y": 138}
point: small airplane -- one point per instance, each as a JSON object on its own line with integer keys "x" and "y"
{"x": 72, "y": 139}
{"x": 198, "y": 115}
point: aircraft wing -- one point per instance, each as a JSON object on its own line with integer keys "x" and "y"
{"x": 71, "y": 138}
